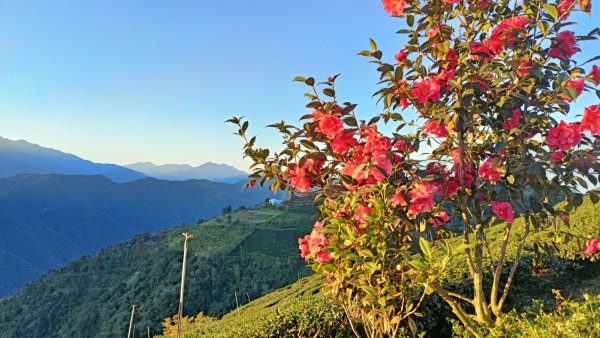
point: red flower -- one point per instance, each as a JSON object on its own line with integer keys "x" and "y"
{"x": 401, "y": 56}
{"x": 577, "y": 85}
{"x": 341, "y": 144}
{"x": 298, "y": 177}
{"x": 394, "y": 7}
{"x": 564, "y": 136}
{"x": 439, "y": 218}
{"x": 428, "y": 89}
{"x": 513, "y": 122}
{"x": 595, "y": 75}
{"x": 592, "y": 247}
{"x": 330, "y": 125}
{"x": 504, "y": 211}
{"x": 322, "y": 257}
{"x": 434, "y": 128}
{"x": 403, "y": 146}
{"x": 469, "y": 174}
{"x": 525, "y": 68}
{"x": 313, "y": 244}
{"x": 480, "y": 51}
{"x": 421, "y": 198}
{"x": 564, "y": 46}
{"x": 591, "y": 119}
{"x": 557, "y": 156}
{"x": 564, "y": 9}
{"x": 564, "y": 218}
{"x": 489, "y": 170}
{"x": 303, "y": 246}
{"x": 360, "y": 213}
{"x": 376, "y": 144}
{"x": 397, "y": 199}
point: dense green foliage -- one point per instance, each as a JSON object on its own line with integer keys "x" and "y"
{"x": 301, "y": 310}
{"x": 248, "y": 253}
{"x": 50, "y": 220}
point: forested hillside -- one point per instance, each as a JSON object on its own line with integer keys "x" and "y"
{"x": 246, "y": 253}
{"x": 50, "y": 220}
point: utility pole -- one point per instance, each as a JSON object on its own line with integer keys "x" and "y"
{"x": 131, "y": 322}
{"x": 186, "y": 236}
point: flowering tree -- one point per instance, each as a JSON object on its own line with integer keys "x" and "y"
{"x": 488, "y": 82}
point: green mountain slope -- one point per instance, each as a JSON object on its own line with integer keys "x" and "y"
{"x": 248, "y": 253}
{"x": 50, "y": 220}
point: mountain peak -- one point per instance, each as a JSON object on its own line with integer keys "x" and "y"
{"x": 23, "y": 157}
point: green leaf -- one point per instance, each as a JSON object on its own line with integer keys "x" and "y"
{"x": 551, "y": 10}
{"x": 299, "y": 79}
{"x": 373, "y": 44}
{"x": 544, "y": 27}
{"x": 425, "y": 246}
{"x": 418, "y": 264}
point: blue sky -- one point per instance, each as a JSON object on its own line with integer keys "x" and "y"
{"x": 127, "y": 81}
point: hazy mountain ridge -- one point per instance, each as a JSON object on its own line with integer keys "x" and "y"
{"x": 22, "y": 157}
{"x": 50, "y": 220}
{"x": 218, "y": 172}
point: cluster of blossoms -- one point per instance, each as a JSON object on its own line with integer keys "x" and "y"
{"x": 368, "y": 157}
{"x": 311, "y": 245}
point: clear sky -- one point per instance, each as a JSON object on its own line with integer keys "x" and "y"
{"x": 130, "y": 81}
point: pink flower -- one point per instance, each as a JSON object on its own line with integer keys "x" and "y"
{"x": 513, "y": 122}
{"x": 564, "y": 218}
{"x": 322, "y": 257}
{"x": 421, "y": 198}
{"x": 489, "y": 170}
{"x": 397, "y": 199}
{"x": 557, "y": 156}
{"x": 591, "y": 119}
{"x": 592, "y": 247}
{"x": 564, "y": 46}
{"x": 439, "y": 218}
{"x": 401, "y": 56}
{"x": 480, "y": 51}
{"x": 377, "y": 144}
{"x": 428, "y": 89}
{"x": 303, "y": 245}
{"x": 330, "y": 125}
{"x": 383, "y": 163}
{"x": 394, "y": 7}
{"x": 525, "y": 68}
{"x": 564, "y": 136}
{"x": 577, "y": 85}
{"x": 434, "y": 128}
{"x": 469, "y": 174}
{"x": 298, "y": 178}
{"x": 360, "y": 213}
{"x": 564, "y": 9}
{"x": 313, "y": 244}
{"x": 595, "y": 74}
{"x": 341, "y": 144}
{"x": 504, "y": 211}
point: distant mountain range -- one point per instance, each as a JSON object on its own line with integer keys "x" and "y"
{"x": 216, "y": 172}
{"x": 49, "y": 220}
{"x": 22, "y": 157}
